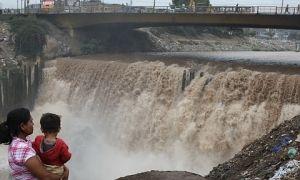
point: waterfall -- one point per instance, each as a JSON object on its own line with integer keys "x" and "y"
{"x": 19, "y": 85}
{"x": 121, "y": 118}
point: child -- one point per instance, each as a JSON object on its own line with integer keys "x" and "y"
{"x": 53, "y": 151}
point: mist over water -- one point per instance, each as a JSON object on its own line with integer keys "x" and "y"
{"x": 104, "y": 102}
{"x": 121, "y": 118}
{"x": 94, "y": 157}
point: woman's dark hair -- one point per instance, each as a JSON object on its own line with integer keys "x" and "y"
{"x": 11, "y": 127}
{"x": 50, "y": 123}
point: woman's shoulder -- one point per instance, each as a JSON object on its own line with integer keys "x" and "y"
{"x": 20, "y": 150}
{"x": 17, "y": 142}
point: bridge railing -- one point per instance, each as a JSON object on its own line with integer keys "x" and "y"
{"x": 277, "y": 10}
{"x": 271, "y": 10}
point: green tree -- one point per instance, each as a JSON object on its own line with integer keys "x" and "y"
{"x": 90, "y": 46}
{"x": 178, "y": 3}
{"x": 203, "y": 2}
{"x": 30, "y": 35}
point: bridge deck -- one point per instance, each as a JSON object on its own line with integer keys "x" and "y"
{"x": 237, "y": 16}
{"x": 174, "y": 19}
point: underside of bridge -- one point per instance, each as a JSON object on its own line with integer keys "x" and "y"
{"x": 135, "y": 20}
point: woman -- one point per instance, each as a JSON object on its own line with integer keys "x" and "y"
{"x": 22, "y": 159}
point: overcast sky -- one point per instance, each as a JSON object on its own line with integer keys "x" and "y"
{"x": 13, "y": 3}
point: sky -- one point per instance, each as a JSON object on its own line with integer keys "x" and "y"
{"x": 13, "y": 3}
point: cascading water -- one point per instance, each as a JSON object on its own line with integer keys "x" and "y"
{"x": 121, "y": 118}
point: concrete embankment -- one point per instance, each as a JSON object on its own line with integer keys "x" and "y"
{"x": 91, "y": 40}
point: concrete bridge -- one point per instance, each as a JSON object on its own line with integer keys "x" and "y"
{"x": 134, "y": 17}
{"x": 278, "y": 21}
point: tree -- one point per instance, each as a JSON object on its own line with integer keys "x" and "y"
{"x": 178, "y": 3}
{"x": 30, "y": 35}
{"x": 203, "y": 2}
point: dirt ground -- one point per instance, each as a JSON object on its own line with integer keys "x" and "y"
{"x": 262, "y": 158}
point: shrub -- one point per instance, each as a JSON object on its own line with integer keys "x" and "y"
{"x": 90, "y": 46}
{"x": 256, "y": 49}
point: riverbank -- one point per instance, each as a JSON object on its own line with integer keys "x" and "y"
{"x": 198, "y": 39}
{"x": 93, "y": 40}
{"x": 263, "y": 158}
{"x": 158, "y": 39}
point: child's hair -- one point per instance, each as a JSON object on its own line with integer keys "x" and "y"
{"x": 50, "y": 123}
{"x": 11, "y": 127}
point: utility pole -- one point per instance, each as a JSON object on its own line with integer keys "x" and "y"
{"x": 281, "y": 5}
{"x": 103, "y": 6}
{"x": 21, "y": 6}
{"x": 25, "y": 6}
{"x": 154, "y": 5}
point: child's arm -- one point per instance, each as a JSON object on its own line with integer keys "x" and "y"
{"x": 65, "y": 154}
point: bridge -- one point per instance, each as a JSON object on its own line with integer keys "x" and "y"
{"x": 232, "y": 16}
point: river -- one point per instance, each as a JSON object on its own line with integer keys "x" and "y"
{"x": 128, "y": 113}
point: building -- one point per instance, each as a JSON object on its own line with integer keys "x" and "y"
{"x": 92, "y": 6}
{"x": 96, "y": 6}
{"x": 77, "y": 6}
{"x": 47, "y": 4}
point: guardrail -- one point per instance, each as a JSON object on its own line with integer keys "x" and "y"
{"x": 270, "y": 10}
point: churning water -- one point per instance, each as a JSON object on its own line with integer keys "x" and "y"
{"x": 121, "y": 118}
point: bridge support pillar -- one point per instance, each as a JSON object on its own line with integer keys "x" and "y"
{"x": 297, "y": 46}
{"x": 71, "y": 32}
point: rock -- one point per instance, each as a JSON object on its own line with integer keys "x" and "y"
{"x": 163, "y": 175}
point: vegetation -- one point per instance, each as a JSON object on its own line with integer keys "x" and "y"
{"x": 249, "y": 32}
{"x": 3, "y": 75}
{"x": 90, "y": 46}
{"x": 203, "y": 2}
{"x": 194, "y": 31}
{"x": 29, "y": 34}
{"x": 256, "y": 48}
{"x": 294, "y": 35}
